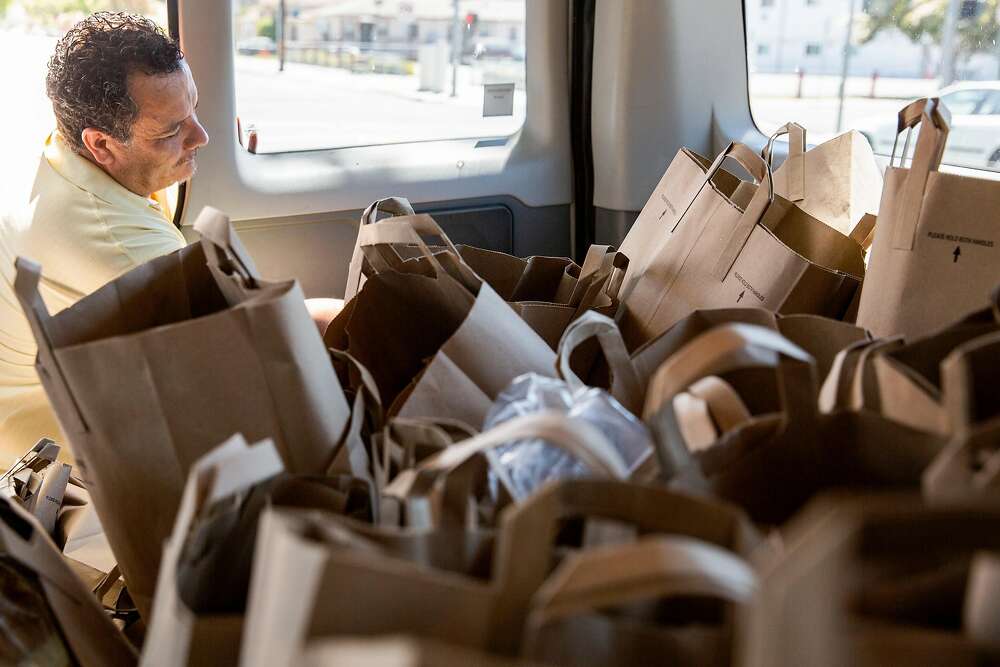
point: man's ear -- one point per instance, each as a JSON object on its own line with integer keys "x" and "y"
{"x": 99, "y": 145}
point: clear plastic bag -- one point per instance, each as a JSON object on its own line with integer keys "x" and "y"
{"x": 527, "y": 464}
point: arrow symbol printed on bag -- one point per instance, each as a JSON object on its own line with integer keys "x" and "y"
{"x": 740, "y": 297}
{"x": 957, "y": 253}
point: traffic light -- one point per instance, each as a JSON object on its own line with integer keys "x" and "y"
{"x": 471, "y": 20}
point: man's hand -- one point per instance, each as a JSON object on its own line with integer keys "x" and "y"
{"x": 323, "y": 311}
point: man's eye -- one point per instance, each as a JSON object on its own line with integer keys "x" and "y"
{"x": 171, "y": 135}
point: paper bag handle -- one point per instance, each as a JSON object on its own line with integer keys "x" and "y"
{"x": 366, "y": 400}
{"x": 652, "y": 567}
{"x": 527, "y": 531}
{"x": 725, "y": 405}
{"x": 576, "y": 437}
{"x": 625, "y": 385}
{"x": 743, "y": 156}
{"x": 717, "y": 351}
{"x": 394, "y": 206}
{"x": 454, "y": 467}
{"x": 439, "y": 433}
{"x": 375, "y": 239}
{"x": 959, "y": 469}
{"x": 223, "y": 248}
{"x": 708, "y": 408}
{"x": 795, "y": 164}
{"x": 26, "y": 281}
{"x": 934, "y": 120}
{"x": 399, "y": 207}
{"x": 752, "y": 214}
{"x": 725, "y": 348}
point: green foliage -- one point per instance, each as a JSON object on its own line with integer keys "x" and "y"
{"x": 266, "y": 28}
{"x": 923, "y": 22}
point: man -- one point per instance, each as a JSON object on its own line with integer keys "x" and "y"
{"x": 127, "y": 128}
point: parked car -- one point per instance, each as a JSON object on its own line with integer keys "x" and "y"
{"x": 974, "y": 139}
{"x": 257, "y": 46}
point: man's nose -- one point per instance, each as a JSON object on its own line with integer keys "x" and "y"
{"x": 197, "y": 137}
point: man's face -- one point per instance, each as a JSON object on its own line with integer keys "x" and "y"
{"x": 165, "y": 137}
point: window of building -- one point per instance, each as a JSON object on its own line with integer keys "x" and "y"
{"x": 892, "y": 56}
{"x": 767, "y": 3}
{"x": 381, "y": 73}
{"x": 763, "y": 49}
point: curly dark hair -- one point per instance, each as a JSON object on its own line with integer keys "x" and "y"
{"x": 88, "y": 74}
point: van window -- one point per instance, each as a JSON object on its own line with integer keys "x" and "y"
{"x": 891, "y": 52}
{"x": 370, "y": 72}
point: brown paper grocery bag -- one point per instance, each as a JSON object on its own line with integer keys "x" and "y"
{"x": 422, "y": 332}
{"x": 162, "y": 364}
{"x": 73, "y": 628}
{"x": 934, "y": 257}
{"x": 772, "y": 465}
{"x": 566, "y": 627}
{"x": 837, "y": 182}
{"x": 717, "y": 251}
{"x": 874, "y": 580}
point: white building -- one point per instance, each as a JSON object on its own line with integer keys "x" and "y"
{"x": 809, "y": 35}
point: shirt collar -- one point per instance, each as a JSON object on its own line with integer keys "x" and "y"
{"x": 86, "y": 175}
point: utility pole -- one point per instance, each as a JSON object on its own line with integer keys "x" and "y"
{"x": 456, "y": 47}
{"x": 948, "y": 45}
{"x": 845, "y": 67}
{"x": 281, "y": 36}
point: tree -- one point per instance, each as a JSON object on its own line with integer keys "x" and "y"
{"x": 265, "y": 27}
{"x": 923, "y": 21}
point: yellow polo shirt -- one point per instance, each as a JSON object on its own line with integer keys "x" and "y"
{"x": 85, "y": 230}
